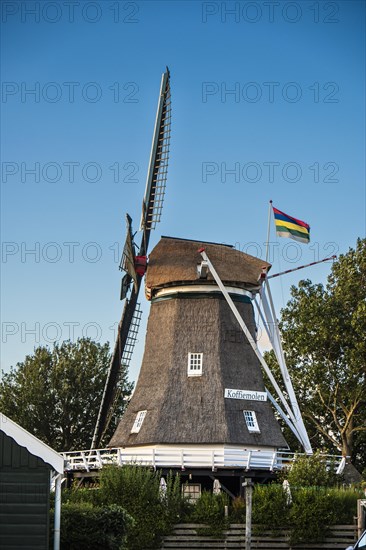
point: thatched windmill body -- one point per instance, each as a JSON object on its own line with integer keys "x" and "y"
{"x": 200, "y": 383}
{"x": 200, "y": 404}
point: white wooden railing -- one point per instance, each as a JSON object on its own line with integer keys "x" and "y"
{"x": 215, "y": 459}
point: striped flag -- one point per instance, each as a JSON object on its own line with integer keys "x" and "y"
{"x": 287, "y": 226}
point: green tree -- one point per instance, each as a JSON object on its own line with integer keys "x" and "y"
{"x": 310, "y": 471}
{"x": 55, "y": 393}
{"x": 323, "y": 331}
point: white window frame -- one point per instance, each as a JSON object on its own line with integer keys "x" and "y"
{"x": 251, "y": 421}
{"x": 195, "y": 361}
{"x": 138, "y": 422}
{"x": 192, "y": 491}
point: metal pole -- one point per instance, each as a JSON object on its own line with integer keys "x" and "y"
{"x": 57, "y": 524}
{"x": 248, "y": 513}
{"x": 268, "y": 229}
{"x": 301, "y": 267}
{"x": 286, "y": 377}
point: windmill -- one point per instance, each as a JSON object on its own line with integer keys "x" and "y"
{"x": 135, "y": 265}
{"x": 200, "y": 402}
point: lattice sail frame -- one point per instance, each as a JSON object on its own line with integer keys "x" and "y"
{"x": 159, "y": 158}
{"x": 126, "y": 358}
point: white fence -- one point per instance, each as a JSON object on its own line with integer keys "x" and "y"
{"x": 215, "y": 459}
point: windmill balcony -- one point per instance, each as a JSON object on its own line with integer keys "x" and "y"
{"x": 207, "y": 457}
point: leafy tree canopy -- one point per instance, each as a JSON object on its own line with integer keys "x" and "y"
{"x": 55, "y": 393}
{"x": 323, "y": 330}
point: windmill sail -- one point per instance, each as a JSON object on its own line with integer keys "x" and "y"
{"x": 159, "y": 157}
{"x": 151, "y": 214}
{"x": 127, "y": 263}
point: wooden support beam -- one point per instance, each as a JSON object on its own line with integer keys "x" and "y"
{"x": 248, "y": 512}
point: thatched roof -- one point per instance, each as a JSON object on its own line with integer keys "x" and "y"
{"x": 175, "y": 260}
{"x": 193, "y": 410}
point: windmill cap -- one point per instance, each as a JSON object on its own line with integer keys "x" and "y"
{"x": 175, "y": 260}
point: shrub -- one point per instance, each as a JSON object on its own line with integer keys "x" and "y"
{"x": 343, "y": 503}
{"x": 307, "y": 516}
{"x": 311, "y": 471}
{"x": 177, "y": 506}
{"x": 315, "y": 509}
{"x": 210, "y": 509}
{"x": 310, "y": 515}
{"x": 84, "y": 526}
{"x": 137, "y": 489}
{"x": 82, "y": 495}
{"x": 237, "y": 510}
{"x": 270, "y": 506}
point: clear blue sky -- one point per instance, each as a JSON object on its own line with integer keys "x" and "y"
{"x": 293, "y": 130}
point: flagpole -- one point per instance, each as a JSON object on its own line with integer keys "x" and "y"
{"x": 269, "y": 228}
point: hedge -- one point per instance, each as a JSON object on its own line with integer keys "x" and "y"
{"x": 86, "y": 527}
{"x": 307, "y": 513}
{"x": 210, "y": 509}
{"x": 136, "y": 490}
{"x": 101, "y": 517}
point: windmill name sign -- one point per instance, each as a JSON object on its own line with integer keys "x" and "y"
{"x": 246, "y": 394}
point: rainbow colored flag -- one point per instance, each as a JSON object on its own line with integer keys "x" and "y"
{"x": 287, "y": 226}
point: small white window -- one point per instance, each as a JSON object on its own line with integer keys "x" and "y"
{"x": 195, "y": 364}
{"x": 251, "y": 420}
{"x": 138, "y": 422}
{"x": 191, "y": 491}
